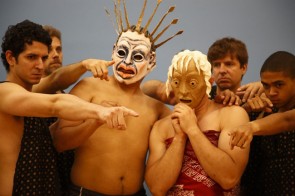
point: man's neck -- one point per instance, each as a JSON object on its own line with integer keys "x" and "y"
{"x": 18, "y": 81}
{"x": 288, "y": 106}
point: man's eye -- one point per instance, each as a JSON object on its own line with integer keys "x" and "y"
{"x": 279, "y": 85}
{"x": 121, "y": 53}
{"x": 138, "y": 57}
{"x": 32, "y": 57}
{"x": 216, "y": 65}
{"x": 265, "y": 86}
{"x": 44, "y": 58}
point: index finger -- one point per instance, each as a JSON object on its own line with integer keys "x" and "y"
{"x": 109, "y": 63}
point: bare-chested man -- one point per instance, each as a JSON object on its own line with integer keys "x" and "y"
{"x": 107, "y": 161}
{"x": 27, "y": 156}
{"x": 189, "y": 150}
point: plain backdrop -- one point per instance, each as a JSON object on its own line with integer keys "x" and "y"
{"x": 265, "y": 26}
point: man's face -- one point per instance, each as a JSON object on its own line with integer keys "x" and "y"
{"x": 280, "y": 89}
{"x": 188, "y": 85}
{"x": 133, "y": 57}
{"x": 29, "y": 66}
{"x": 227, "y": 72}
{"x": 55, "y": 56}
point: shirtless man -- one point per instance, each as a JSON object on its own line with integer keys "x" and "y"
{"x": 27, "y": 155}
{"x": 189, "y": 150}
{"x": 112, "y": 162}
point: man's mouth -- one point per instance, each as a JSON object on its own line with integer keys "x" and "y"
{"x": 126, "y": 72}
{"x": 223, "y": 80}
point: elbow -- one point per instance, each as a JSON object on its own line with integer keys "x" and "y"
{"x": 157, "y": 191}
{"x": 229, "y": 183}
{"x": 155, "y": 188}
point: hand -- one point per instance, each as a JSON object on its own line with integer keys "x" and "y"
{"x": 186, "y": 117}
{"x": 99, "y": 68}
{"x": 227, "y": 97}
{"x": 248, "y": 91}
{"x": 114, "y": 116}
{"x": 177, "y": 128}
{"x": 161, "y": 93}
{"x": 241, "y": 136}
{"x": 258, "y": 104}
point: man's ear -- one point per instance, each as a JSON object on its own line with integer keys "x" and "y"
{"x": 152, "y": 61}
{"x": 211, "y": 80}
{"x": 10, "y": 58}
{"x": 244, "y": 68}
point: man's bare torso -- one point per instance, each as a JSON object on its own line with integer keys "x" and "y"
{"x": 113, "y": 161}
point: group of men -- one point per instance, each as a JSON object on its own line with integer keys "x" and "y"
{"x": 111, "y": 123}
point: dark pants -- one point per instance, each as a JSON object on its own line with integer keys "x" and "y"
{"x": 80, "y": 191}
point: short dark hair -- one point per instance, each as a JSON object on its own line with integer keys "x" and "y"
{"x": 228, "y": 45}
{"x": 17, "y": 36}
{"x": 280, "y": 61}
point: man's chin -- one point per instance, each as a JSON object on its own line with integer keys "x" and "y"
{"x": 224, "y": 86}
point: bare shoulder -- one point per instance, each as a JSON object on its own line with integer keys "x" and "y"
{"x": 163, "y": 127}
{"x": 162, "y": 109}
{"x": 232, "y": 116}
{"x": 233, "y": 110}
{"x": 10, "y": 87}
{"x": 88, "y": 84}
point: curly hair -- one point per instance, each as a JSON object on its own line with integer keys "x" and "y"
{"x": 17, "y": 36}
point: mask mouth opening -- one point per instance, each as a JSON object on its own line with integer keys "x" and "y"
{"x": 126, "y": 72}
{"x": 186, "y": 101}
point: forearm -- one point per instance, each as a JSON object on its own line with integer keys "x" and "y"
{"x": 67, "y": 75}
{"x": 70, "y": 107}
{"x": 71, "y": 137}
{"x": 274, "y": 123}
{"x": 167, "y": 169}
{"x": 216, "y": 162}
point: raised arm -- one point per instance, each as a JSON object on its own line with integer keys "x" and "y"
{"x": 65, "y": 76}
{"x": 164, "y": 164}
{"x": 157, "y": 90}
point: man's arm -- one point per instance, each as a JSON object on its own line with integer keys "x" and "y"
{"x": 164, "y": 164}
{"x": 223, "y": 164}
{"x": 69, "y": 135}
{"x": 269, "y": 125}
{"x": 17, "y": 101}
{"x": 157, "y": 90}
{"x": 65, "y": 76}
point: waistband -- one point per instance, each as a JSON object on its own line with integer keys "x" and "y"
{"x": 81, "y": 191}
